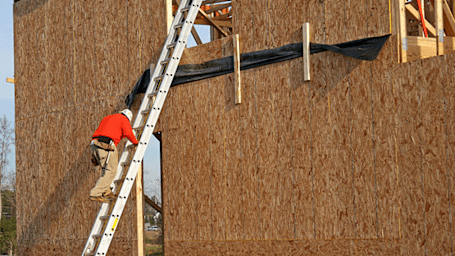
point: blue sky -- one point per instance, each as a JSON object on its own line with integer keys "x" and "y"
{"x": 151, "y": 158}
{"x": 7, "y": 64}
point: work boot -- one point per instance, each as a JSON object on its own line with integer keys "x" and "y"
{"x": 99, "y": 199}
{"x": 109, "y": 195}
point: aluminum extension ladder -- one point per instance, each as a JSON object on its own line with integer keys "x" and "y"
{"x": 109, "y": 214}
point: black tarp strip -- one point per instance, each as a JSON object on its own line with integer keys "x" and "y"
{"x": 363, "y": 49}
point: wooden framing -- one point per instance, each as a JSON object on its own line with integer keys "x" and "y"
{"x": 10, "y": 80}
{"x": 403, "y": 32}
{"x": 413, "y": 47}
{"x": 306, "y": 51}
{"x": 140, "y": 211}
{"x": 237, "y": 80}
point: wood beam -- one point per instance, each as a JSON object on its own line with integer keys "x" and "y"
{"x": 439, "y": 25}
{"x": 212, "y": 22}
{"x": 152, "y": 204}
{"x": 238, "y": 84}
{"x": 218, "y": 7}
{"x": 416, "y": 15}
{"x": 212, "y": 2}
{"x": 196, "y": 36}
{"x": 140, "y": 211}
{"x": 449, "y": 21}
{"x": 169, "y": 15}
{"x": 220, "y": 23}
{"x": 10, "y": 80}
{"x": 306, "y": 51}
{"x": 403, "y": 32}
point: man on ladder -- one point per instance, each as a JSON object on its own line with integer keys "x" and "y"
{"x": 107, "y": 136}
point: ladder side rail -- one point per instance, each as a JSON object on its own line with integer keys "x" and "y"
{"x": 148, "y": 129}
{"x": 97, "y": 228}
{"x": 105, "y": 207}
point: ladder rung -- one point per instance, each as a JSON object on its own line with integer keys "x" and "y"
{"x": 152, "y": 94}
{"x": 105, "y": 217}
{"x": 165, "y": 62}
{"x": 185, "y": 9}
{"x": 126, "y": 163}
{"x": 117, "y": 181}
{"x": 180, "y": 25}
{"x": 97, "y": 235}
{"x": 145, "y": 112}
{"x": 132, "y": 146}
{"x": 171, "y": 45}
{"x": 158, "y": 78}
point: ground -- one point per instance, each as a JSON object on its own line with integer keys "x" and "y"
{"x": 152, "y": 245}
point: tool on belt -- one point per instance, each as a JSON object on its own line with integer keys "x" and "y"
{"x": 107, "y": 144}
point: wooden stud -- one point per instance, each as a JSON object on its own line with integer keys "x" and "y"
{"x": 169, "y": 15}
{"x": 10, "y": 80}
{"x": 140, "y": 211}
{"x": 416, "y": 15}
{"x": 196, "y": 36}
{"x": 238, "y": 84}
{"x": 403, "y": 31}
{"x": 439, "y": 26}
{"x": 449, "y": 21}
{"x": 447, "y": 17}
{"x": 306, "y": 51}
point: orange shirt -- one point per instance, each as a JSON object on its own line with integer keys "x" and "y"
{"x": 116, "y": 127}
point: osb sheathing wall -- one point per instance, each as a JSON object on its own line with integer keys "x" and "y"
{"x": 75, "y": 61}
{"x": 356, "y": 162}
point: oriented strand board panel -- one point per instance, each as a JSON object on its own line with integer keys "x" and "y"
{"x": 72, "y": 69}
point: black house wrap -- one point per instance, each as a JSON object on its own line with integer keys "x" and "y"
{"x": 362, "y": 49}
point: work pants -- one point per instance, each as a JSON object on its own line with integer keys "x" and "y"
{"x": 108, "y": 175}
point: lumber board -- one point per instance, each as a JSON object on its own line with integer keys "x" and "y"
{"x": 421, "y": 47}
{"x": 218, "y": 158}
{"x": 237, "y": 77}
{"x": 434, "y": 174}
{"x": 439, "y": 20}
{"x": 406, "y": 77}
{"x": 306, "y": 51}
{"x": 415, "y": 13}
{"x": 402, "y": 31}
{"x": 385, "y": 138}
{"x": 248, "y": 148}
{"x": 140, "y": 210}
{"x": 202, "y": 156}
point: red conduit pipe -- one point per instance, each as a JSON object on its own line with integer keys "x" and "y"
{"x": 422, "y": 19}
